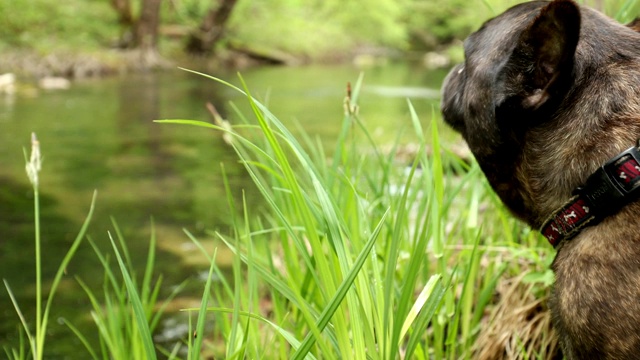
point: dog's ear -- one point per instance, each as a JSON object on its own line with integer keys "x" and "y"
{"x": 544, "y": 55}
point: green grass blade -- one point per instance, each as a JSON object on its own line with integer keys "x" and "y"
{"x": 166, "y": 302}
{"x": 148, "y": 271}
{"x": 65, "y": 261}
{"x": 288, "y": 336}
{"x": 82, "y": 338}
{"x": 332, "y": 306}
{"x": 138, "y": 310}
{"x": 290, "y": 293}
{"x": 25, "y": 326}
{"x": 392, "y": 256}
{"x": 423, "y": 298}
{"x": 197, "y": 347}
{"x": 124, "y": 250}
{"x": 623, "y": 13}
{"x": 223, "y": 281}
{"x": 424, "y": 317}
{"x": 188, "y": 122}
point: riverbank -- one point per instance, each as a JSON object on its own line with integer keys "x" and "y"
{"x": 32, "y": 65}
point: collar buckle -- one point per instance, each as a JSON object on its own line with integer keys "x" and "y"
{"x": 613, "y": 185}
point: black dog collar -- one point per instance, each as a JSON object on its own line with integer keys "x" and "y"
{"x": 606, "y": 191}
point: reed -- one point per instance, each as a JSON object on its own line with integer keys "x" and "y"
{"x": 34, "y": 347}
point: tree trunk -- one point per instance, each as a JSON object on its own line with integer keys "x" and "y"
{"x": 126, "y": 20}
{"x": 146, "y": 29}
{"x": 203, "y": 40}
{"x": 141, "y": 32}
{"x": 123, "y": 8}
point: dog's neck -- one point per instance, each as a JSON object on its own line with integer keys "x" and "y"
{"x": 605, "y": 192}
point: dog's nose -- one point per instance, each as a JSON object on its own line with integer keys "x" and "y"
{"x": 452, "y": 82}
{"x": 451, "y": 104}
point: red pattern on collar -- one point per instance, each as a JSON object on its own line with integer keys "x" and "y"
{"x": 568, "y": 221}
{"x": 619, "y": 177}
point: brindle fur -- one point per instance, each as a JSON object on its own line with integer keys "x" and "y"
{"x": 550, "y": 91}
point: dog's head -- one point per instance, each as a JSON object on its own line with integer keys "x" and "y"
{"x": 517, "y": 69}
{"x": 538, "y": 77}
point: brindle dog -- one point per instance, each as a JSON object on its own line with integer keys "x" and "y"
{"x": 549, "y": 92}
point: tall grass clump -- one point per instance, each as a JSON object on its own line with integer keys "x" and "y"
{"x": 357, "y": 256}
{"x": 34, "y": 348}
{"x": 127, "y": 311}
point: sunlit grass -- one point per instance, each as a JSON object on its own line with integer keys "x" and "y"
{"x": 358, "y": 256}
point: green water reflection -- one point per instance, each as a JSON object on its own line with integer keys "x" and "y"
{"x": 99, "y": 135}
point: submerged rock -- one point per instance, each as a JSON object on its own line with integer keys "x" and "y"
{"x": 7, "y": 83}
{"x": 54, "y": 83}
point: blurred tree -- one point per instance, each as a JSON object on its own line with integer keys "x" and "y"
{"x": 204, "y": 38}
{"x": 318, "y": 29}
{"x": 123, "y": 8}
{"x": 139, "y": 32}
{"x": 430, "y": 24}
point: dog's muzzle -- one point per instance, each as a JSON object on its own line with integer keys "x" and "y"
{"x": 452, "y": 93}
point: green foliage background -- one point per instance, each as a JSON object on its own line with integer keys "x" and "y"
{"x": 308, "y": 28}
{"x": 311, "y": 28}
{"x": 64, "y": 24}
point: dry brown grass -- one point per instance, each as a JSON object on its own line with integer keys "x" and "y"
{"x": 519, "y": 326}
